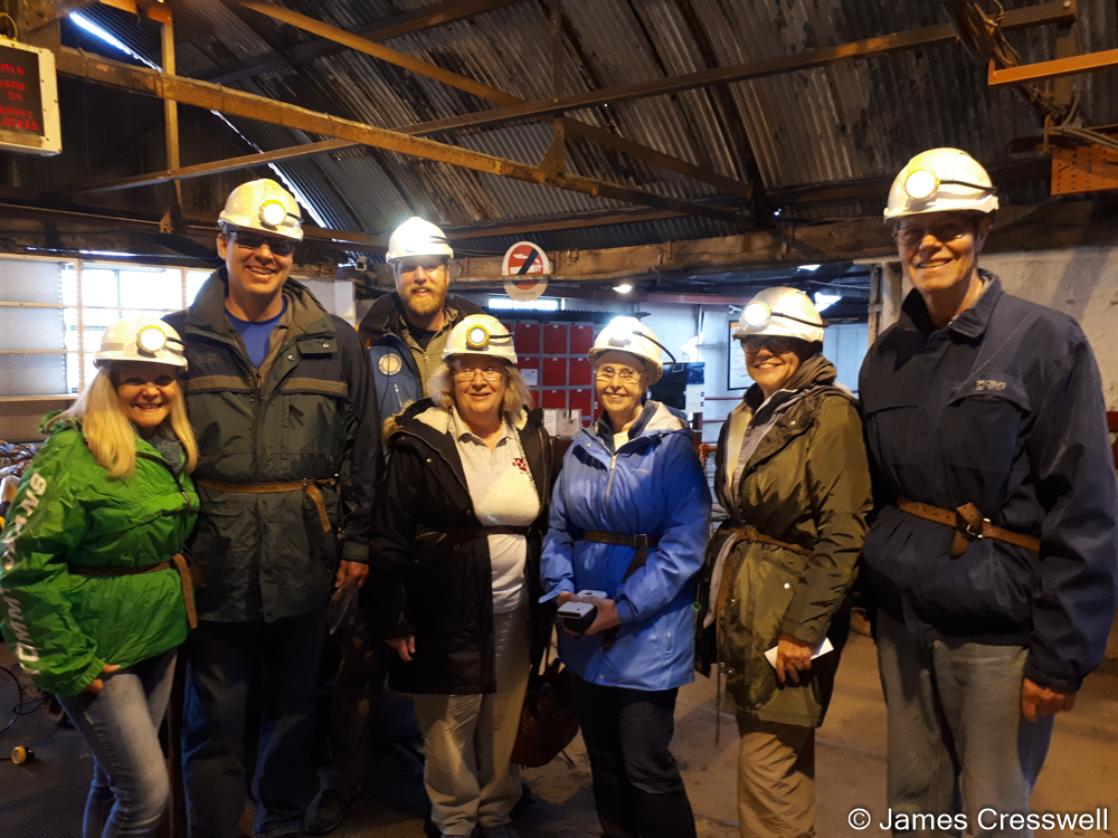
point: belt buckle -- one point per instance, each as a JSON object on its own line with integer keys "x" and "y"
{"x": 979, "y": 533}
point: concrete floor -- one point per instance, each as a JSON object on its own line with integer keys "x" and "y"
{"x": 1081, "y": 773}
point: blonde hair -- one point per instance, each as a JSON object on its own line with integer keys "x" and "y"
{"x": 517, "y": 395}
{"x": 110, "y": 436}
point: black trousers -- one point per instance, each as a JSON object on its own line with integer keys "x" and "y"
{"x": 637, "y": 787}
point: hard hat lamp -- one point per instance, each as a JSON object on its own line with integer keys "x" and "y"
{"x": 477, "y": 337}
{"x": 272, "y": 213}
{"x": 150, "y": 340}
{"x": 757, "y": 314}
{"x": 921, "y": 185}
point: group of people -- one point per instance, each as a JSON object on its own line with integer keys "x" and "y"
{"x": 969, "y": 490}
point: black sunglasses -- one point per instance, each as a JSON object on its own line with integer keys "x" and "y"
{"x": 254, "y": 241}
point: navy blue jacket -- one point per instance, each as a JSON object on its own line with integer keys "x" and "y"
{"x": 1002, "y": 408}
{"x": 396, "y": 377}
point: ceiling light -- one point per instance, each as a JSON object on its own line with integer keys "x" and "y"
{"x": 823, "y": 300}
{"x": 623, "y": 288}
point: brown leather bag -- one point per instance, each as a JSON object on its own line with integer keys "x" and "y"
{"x": 548, "y": 721}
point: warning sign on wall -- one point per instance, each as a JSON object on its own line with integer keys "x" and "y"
{"x": 28, "y": 99}
{"x": 527, "y": 267}
{"x": 525, "y": 258}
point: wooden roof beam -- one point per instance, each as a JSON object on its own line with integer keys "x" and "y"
{"x": 1052, "y": 12}
{"x": 211, "y": 96}
{"x": 380, "y": 30}
{"x": 425, "y": 69}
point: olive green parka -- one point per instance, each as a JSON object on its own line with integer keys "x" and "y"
{"x": 806, "y": 483}
{"x": 68, "y": 513}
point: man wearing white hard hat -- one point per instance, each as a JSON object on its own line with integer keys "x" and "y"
{"x": 406, "y": 331}
{"x": 455, "y": 573}
{"x": 281, "y": 400}
{"x": 791, "y": 474}
{"x": 992, "y": 554}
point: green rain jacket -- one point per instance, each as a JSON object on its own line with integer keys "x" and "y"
{"x": 805, "y": 483}
{"x": 64, "y": 627}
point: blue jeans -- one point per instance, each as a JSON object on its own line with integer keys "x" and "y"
{"x": 270, "y": 666}
{"x": 957, "y": 742}
{"x": 637, "y": 786}
{"x": 120, "y": 725}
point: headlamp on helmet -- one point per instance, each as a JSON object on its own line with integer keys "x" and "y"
{"x": 272, "y": 213}
{"x": 477, "y": 337}
{"x": 923, "y": 185}
{"x": 759, "y": 315}
{"x": 150, "y": 339}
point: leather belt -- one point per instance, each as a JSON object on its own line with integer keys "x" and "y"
{"x": 969, "y": 525}
{"x": 460, "y": 535}
{"x": 310, "y": 485}
{"x": 177, "y": 561}
{"x": 641, "y": 542}
{"x": 752, "y": 534}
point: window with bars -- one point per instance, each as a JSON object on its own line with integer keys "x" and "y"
{"x": 53, "y": 313}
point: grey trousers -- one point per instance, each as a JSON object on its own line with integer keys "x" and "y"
{"x": 469, "y": 739}
{"x": 957, "y": 742}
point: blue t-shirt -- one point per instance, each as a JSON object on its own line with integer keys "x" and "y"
{"x": 256, "y": 335}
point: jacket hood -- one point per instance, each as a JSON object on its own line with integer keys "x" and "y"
{"x": 207, "y": 313}
{"x": 426, "y": 412}
{"x": 656, "y": 419}
{"x": 386, "y": 317}
{"x": 813, "y": 372}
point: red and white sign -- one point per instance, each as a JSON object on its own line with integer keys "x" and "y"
{"x": 528, "y": 266}
{"x": 525, "y": 258}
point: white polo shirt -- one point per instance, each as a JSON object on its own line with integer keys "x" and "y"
{"x": 503, "y": 494}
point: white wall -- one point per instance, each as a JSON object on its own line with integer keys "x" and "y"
{"x": 1082, "y": 282}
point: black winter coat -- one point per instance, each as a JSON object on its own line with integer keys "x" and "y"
{"x": 441, "y": 591}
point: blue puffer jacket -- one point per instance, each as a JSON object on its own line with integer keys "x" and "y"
{"x": 652, "y": 484}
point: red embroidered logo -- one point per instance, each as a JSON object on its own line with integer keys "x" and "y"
{"x": 520, "y": 463}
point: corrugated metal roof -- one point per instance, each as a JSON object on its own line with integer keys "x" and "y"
{"x": 845, "y": 121}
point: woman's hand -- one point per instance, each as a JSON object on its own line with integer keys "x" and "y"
{"x": 404, "y": 646}
{"x": 792, "y": 658}
{"x": 606, "y": 618}
{"x": 97, "y": 684}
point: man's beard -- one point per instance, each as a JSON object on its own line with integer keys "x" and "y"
{"x": 423, "y": 305}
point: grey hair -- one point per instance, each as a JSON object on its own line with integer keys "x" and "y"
{"x": 517, "y": 395}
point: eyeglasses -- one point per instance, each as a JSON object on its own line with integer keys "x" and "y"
{"x": 429, "y": 264}
{"x": 626, "y": 374}
{"x": 944, "y": 231}
{"x": 253, "y": 241}
{"x": 776, "y": 344}
{"x": 491, "y": 374}
{"x": 160, "y": 381}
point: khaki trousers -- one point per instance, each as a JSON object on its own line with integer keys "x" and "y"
{"x": 468, "y": 739}
{"x": 776, "y": 779}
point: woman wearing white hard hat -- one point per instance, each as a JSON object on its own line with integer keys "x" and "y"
{"x": 97, "y": 596}
{"x": 456, "y": 564}
{"x": 791, "y": 474}
{"x": 629, "y": 521}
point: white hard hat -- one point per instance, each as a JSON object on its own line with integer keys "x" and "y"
{"x": 941, "y": 180}
{"x": 781, "y": 311}
{"x": 263, "y": 205}
{"x": 146, "y": 339}
{"x": 480, "y": 334}
{"x": 628, "y": 334}
{"x": 416, "y": 237}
